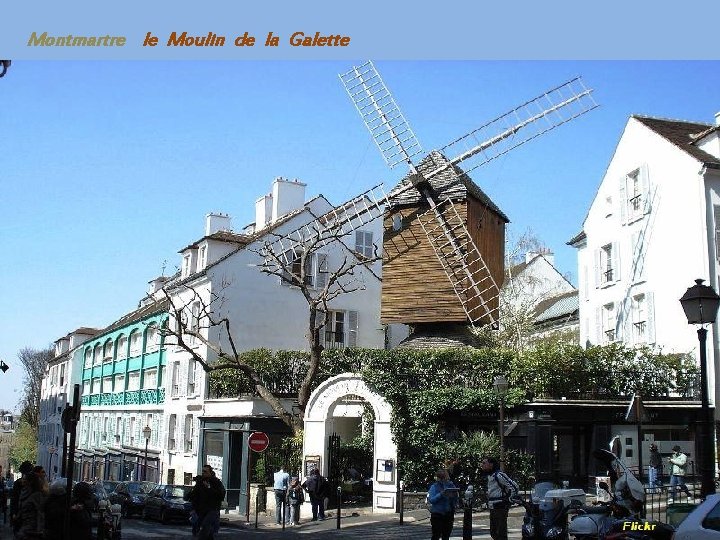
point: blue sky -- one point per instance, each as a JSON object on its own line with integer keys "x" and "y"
{"x": 108, "y": 168}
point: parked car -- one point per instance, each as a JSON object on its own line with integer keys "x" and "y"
{"x": 110, "y": 486}
{"x": 703, "y": 523}
{"x": 131, "y": 496}
{"x": 166, "y": 502}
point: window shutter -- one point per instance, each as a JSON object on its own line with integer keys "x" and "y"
{"x": 716, "y": 216}
{"x": 627, "y": 327}
{"x": 585, "y": 283}
{"x": 321, "y": 277}
{"x": 155, "y": 437}
{"x": 285, "y": 276}
{"x": 599, "y": 326}
{"x": 623, "y": 201}
{"x": 182, "y": 381}
{"x": 196, "y": 436}
{"x": 616, "y": 261}
{"x": 352, "y": 328}
{"x": 645, "y": 183}
{"x": 598, "y": 268}
{"x": 650, "y": 306}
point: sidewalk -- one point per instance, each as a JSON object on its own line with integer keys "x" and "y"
{"x": 362, "y": 523}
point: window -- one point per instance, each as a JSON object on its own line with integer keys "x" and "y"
{"x": 152, "y": 338}
{"x": 639, "y": 318}
{"x": 118, "y": 429}
{"x": 105, "y": 428}
{"x": 191, "y": 377}
{"x": 97, "y": 355}
{"x": 606, "y": 264}
{"x": 608, "y": 206}
{"x": 135, "y": 343}
{"x": 194, "y": 325}
{"x": 122, "y": 347}
{"x": 107, "y": 384}
{"x": 397, "y": 222}
{"x": 340, "y": 330}
{"x": 634, "y": 195}
{"x": 132, "y": 431}
{"x": 119, "y": 383}
{"x": 171, "y": 432}
{"x": 296, "y": 273}
{"x": 189, "y": 433}
{"x": 175, "y": 390}
{"x": 150, "y": 379}
{"x": 134, "y": 381}
{"x": 88, "y": 357}
{"x": 364, "y": 243}
{"x": 95, "y": 386}
{"x": 186, "y": 265}
{"x": 62, "y": 374}
{"x": 608, "y": 322}
{"x": 86, "y": 388}
{"x": 108, "y": 351}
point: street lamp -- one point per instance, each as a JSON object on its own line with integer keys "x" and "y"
{"x": 147, "y": 432}
{"x": 4, "y": 367}
{"x": 700, "y": 303}
{"x": 500, "y": 384}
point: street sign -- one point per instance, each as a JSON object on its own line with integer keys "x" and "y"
{"x": 258, "y": 441}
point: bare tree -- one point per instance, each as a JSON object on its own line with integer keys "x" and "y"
{"x": 34, "y": 363}
{"x": 197, "y": 317}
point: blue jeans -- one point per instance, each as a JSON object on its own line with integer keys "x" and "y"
{"x": 209, "y": 525}
{"x": 280, "y": 502}
{"x": 678, "y": 481}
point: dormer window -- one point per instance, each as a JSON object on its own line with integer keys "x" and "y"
{"x": 187, "y": 260}
{"x": 202, "y": 257}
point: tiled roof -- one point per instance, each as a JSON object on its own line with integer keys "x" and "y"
{"x": 452, "y": 183}
{"x": 562, "y": 305}
{"x": 682, "y": 134}
{"x": 222, "y": 236}
{"x": 137, "y": 315}
{"x": 579, "y": 237}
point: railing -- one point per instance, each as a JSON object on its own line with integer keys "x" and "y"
{"x": 132, "y": 397}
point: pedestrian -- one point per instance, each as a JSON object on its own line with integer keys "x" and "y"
{"x": 25, "y": 468}
{"x": 55, "y": 509}
{"x": 281, "y": 483}
{"x": 296, "y": 496}
{"x": 655, "y": 467}
{"x": 443, "y": 497}
{"x": 501, "y": 491}
{"x": 210, "y": 495}
{"x": 81, "y": 508}
{"x": 317, "y": 488}
{"x": 192, "y": 497}
{"x": 31, "y": 509}
{"x": 678, "y": 463}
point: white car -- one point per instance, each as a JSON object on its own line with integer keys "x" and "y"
{"x": 703, "y": 523}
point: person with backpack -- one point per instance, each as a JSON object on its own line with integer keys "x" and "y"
{"x": 25, "y": 468}
{"x": 317, "y": 488}
{"x": 281, "y": 483}
{"x": 501, "y": 491}
{"x": 442, "y": 497}
{"x": 678, "y": 463}
{"x": 296, "y": 496}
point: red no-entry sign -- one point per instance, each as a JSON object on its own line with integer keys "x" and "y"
{"x": 258, "y": 441}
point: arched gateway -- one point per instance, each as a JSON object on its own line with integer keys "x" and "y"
{"x": 327, "y": 409}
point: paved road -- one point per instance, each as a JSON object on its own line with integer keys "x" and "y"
{"x": 366, "y": 527}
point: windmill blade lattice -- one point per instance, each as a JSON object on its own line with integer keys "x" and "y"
{"x": 382, "y": 116}
{"x": 520, "y": 125}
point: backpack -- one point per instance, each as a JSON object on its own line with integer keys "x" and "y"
{"x": 506, "y": 491}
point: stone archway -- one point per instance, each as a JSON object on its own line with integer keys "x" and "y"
{"x": 324, "y": 403}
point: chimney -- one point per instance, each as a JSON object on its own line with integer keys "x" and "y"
{"x": 263, "y": 211}
{"x": 156, "y": 284}
{"x": 287, "y": 196}
{"x": 217, "y": 222}
{"x": 717, "y": 118}
{"x": 530, "y": 255}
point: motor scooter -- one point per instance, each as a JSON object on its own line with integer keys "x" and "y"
{"x": 626, "y": 502}
{"x": 545, "y": 520}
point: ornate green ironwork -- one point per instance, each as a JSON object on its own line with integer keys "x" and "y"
{"x": 132, "y": 397}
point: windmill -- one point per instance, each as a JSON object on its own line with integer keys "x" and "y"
{"x": 435, "y": 219}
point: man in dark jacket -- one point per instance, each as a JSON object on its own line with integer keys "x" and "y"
{"x": 317, "y": 488}
{"x": 208, "y": 498}
{"x": 25, "y": 468}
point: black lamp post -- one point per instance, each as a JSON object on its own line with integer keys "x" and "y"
{"x": 500, "y": 384}
{"x": 146, "y": 432}
{"x": 700, "y": 303}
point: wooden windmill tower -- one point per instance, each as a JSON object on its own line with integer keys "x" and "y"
{"x": 443, "y": 245}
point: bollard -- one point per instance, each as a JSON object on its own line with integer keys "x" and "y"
{"x": 402, "y": 502}
{"x": 283, "y": 509}
{"x": 257, "y": 506}
{"x": 339, "y": 505}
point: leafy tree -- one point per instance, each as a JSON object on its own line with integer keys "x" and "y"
{"x": 24, "y": 446}
{"x": 34, "y": 362}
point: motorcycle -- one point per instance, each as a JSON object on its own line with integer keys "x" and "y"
{"x": 545, "y": 520}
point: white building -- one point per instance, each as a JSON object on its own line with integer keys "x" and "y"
{"x": 222, "y": 269}
{"x": 56, "y": 392}
{"x": 651, "y": 230}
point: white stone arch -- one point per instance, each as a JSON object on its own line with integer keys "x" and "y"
{"x": 318, "y": 428}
